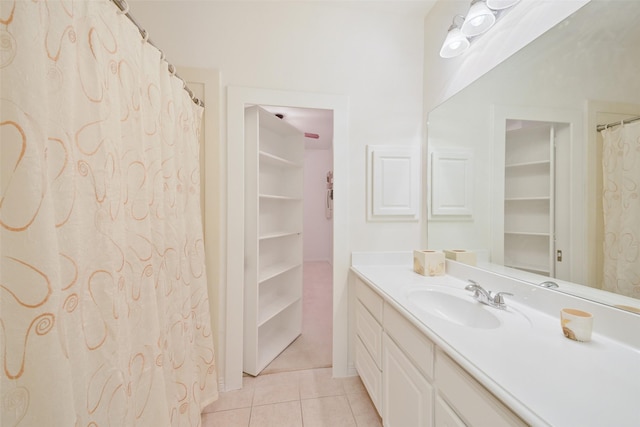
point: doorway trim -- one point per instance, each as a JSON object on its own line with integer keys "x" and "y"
{"x": 237, "y": 99}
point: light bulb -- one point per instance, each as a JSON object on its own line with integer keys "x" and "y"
{"x": 479, "y": 19}
{"x": 454, "y": 44}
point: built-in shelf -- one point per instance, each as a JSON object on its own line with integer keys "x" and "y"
{"x": 277, "y": 161}
{"x": 277, "y": 333}
{"x": 279, "y": 234}
{"x": 276, "y": 269}
{"x": 526, "y": 199}
{"x": 541, "y": 163}
{"x": 278, "y": 197}
{"x": 274, "y": 307}
{"x": 274, "y": 159}
{"x": 529, "y": 198}
{"x": 526, "y": 233}
{"x": 538, "y": 269}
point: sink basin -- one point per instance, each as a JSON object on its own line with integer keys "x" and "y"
{"x": 458, "y": 309}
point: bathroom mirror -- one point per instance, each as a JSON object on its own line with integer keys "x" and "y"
{"x": 583, "y": 72}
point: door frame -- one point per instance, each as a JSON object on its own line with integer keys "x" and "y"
{"x": 237, "y": 99}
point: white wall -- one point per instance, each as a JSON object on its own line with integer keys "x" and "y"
{"x": 369, "y": 51}
{"x": 317, "y": 237}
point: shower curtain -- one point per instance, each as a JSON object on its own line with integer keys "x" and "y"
{"x": 621, "y": 204}
{"x": 104, "y": 315}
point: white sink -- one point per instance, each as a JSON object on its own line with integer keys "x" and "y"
{"x": 454, "y": 306}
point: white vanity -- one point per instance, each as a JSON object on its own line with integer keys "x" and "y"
{"x": 430, "y": 355}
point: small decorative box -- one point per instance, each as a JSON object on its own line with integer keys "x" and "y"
{"x": 461, "y": 255}
{"x": 428, "y": 263}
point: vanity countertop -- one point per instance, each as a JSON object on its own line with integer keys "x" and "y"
{"x": 547, "y": 379}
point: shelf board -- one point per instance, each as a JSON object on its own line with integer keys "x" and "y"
{"x": 529, "y": 164}
{"x": 273, "y": 344}
{"x": 527, "y": 233}
{"x": 278, "y": 234}
{"x": 274, "y": 160}
{"x": 530, "y": 268}
{"x": 526, "y": 199}
{"x": 276, "y": 269}
{"x": 274, "y": 308}
{"x": 277, "y": 197}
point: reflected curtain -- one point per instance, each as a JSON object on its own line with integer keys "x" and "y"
{"x": 104, "y": 309}
{"x": 621, "y": 204}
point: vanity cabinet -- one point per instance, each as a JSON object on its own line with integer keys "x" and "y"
{"x": 407, "y": 373}
{"x": 368, "y": 357}
{"x": 468, "y": 401}
{"x": 274, "y": 158}
{"x": 410, "y": 380}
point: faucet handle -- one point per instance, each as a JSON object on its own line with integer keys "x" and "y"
{"x": 497, "y": 298}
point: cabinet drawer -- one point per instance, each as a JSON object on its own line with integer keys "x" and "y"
{"x": 475, "y": 405}
{"x": 445, "y": 416}
{"x": 369, "y": 373}
{"x": 413, "y": 342}
{"x": 369, "y": 299}
{"x": 370, "y": 332}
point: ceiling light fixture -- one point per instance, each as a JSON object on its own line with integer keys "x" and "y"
{"x": 482, "y": 15}
{"x": 478, "y": 20}
{"x": 456, "y": 42}
{"x": 501, "y": 4}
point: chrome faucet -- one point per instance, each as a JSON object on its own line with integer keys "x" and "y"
{"x": 549, "y": 284}
{"x": 487, "y": 297}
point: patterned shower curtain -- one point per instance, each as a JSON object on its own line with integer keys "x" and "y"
{"x": 104, "y": 315}
{"x": 621, "y": 203}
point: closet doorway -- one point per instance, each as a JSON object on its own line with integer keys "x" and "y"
{"x": 237, "y": 99}
{"x": 313, "y": 348}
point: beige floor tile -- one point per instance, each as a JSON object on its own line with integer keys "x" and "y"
{"x": 332, "y": 411}
{"x": 370, "y": 420}
{"x": 234, "y": 399}
{"x": 277, "y": 378}
{"x": 361, "y": 404}
{"x": 287, "y": 414}
{"x": 319, "y": 383}
{"x": 276, "y": 388}
{"x": 231, "y": 418}
{"x": 353, "y": 385}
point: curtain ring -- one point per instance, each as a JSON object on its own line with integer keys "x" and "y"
{"x": 162, "y": 56}
{"x": 172, "y": 70}
{"x": 123, "y": 8}
{"x": 145, "y": 36}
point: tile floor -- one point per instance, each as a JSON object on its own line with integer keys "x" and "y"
{"x": 309, "y": 398}
{"x": 297, "y": 389}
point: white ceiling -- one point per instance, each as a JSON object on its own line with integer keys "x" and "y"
{"x": 309, "y": 120}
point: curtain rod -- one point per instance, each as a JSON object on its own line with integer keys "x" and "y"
{"x": 124, "y": 9}
{"x": 600, "y": 128}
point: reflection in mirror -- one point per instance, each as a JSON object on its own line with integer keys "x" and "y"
{"x": 532, "y": 122}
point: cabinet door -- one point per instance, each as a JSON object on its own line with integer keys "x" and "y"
{"x": 471, "y": 401}
{"x": 407, "y": 397}
{"x": 445, "y": 416}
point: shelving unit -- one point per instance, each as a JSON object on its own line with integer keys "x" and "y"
{"x": 274, "y": 158}
{"x": 529, "y": 193}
